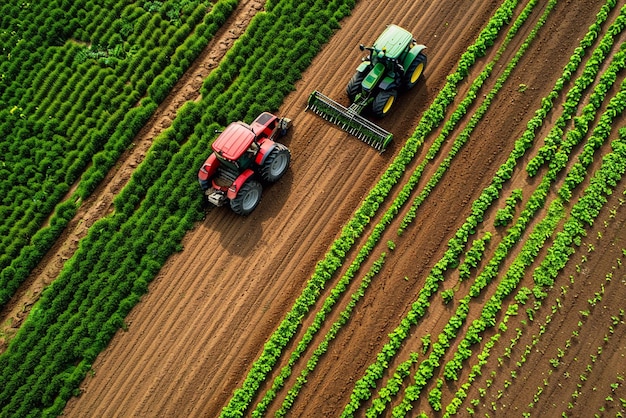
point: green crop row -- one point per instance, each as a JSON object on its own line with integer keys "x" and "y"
{"x": 461, "y": 393}
{"x": 474, "y": 256}
{"x": 77, "y": 118}
{"x": 393, "y": 386}
{"x": 334, "y": 297}
{"x": 322, "y": 348}
{"x": 505, "y": 215}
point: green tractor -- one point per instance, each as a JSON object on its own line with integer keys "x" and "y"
{"x": 395, "y": 63}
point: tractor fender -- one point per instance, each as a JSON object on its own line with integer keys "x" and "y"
{"x": 266, "y": 148}
{"x": 207, "y": 170}
{"x": 364, "y": 66}
{"x": 388, "y": 83}
{"x": 239, "y": 181}
{"x": 410, "y": 56}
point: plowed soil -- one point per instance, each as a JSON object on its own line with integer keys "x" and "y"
{"x": 193, "y": 338}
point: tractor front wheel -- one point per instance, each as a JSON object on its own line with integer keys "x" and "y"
{"x": 383, "y": 102}
{"x": 414, "y": 72}
{"x": 354, "y": 85}
{"x": 276, "y": 163}
{"x": 248, "y": 198}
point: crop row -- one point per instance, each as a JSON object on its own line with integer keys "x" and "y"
{"x": 78, "y": 117}
{"x": 556, "y": 211}
{"x": 427, "y": 364}
{"x": 322, "y": 348}
{"x": 80, "y": 312}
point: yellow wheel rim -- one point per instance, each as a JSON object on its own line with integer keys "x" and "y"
{"x": 417, "y": 73}
{"x": 388, "y": 104}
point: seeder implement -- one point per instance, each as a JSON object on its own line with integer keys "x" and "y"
{"x": 349, "y": 119}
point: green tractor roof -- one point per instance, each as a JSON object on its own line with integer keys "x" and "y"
{"x": 393, "y": 40}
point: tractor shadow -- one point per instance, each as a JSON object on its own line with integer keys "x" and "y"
{"x": 242, "y": 235}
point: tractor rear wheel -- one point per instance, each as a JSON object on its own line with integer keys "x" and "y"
{"x": 248, "y": 198}
{"x": 354, "y": 85}
{"x": 383, "y": 102}
{"x": 276, "y": 163}
{"x": 414, "y": 72}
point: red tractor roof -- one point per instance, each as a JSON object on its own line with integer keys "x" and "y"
{"x": 234, "y": 141}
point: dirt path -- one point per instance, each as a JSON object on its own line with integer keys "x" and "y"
{"x": 192, "y": 339}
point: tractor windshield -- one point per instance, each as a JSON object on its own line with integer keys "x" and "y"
{"x": 233, "y": 165}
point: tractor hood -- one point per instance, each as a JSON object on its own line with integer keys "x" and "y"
{"x": 393, "y": 41}
{"x": 234, "y": 141}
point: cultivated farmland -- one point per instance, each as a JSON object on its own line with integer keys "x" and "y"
{"x": 473, "y": 268}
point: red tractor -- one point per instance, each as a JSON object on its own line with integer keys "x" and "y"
{"x": 243, "y": 156}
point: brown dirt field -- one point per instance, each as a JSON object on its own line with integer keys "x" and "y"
{"x": 194, "y": 336}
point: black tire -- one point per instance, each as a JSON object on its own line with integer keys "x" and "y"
{"x": 276, "y": 163}
{"x": 414, "y": 72}
{"x": 354, "y": 85}
{"x": 383, "y": 102}
{"x": 248, "y": 198}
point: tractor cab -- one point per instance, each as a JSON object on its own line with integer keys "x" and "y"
{"x": 395, "y": 64}
{"x": 242, "y": 155}
{"x": 265, "y": 125}
{"x": 240, "y": 143}
{"x": 236, "y": 146}
{"x": 394, "y": 42}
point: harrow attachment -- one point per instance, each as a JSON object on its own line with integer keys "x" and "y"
{"x": 349, "y": 119}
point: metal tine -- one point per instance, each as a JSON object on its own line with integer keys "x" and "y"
{"x": 349, "y": 120}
